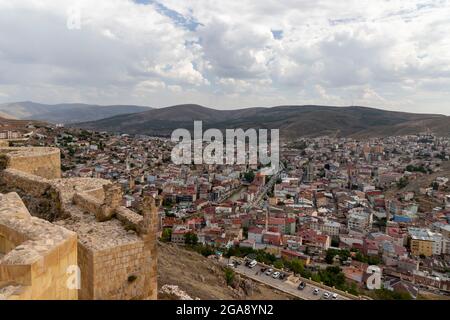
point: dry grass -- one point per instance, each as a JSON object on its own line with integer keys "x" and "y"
{"x": 201, "y": 277}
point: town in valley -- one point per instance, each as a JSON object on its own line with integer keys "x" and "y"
{"x": 336, "y": 207}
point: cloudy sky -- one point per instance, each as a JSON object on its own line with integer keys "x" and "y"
{"x": 228, "y": 53}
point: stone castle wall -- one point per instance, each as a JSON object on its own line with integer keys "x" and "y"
{"x": 40, "y": 196}
{"x": 42, "y": 162}
{"x": 116, "y": 247}
{"x": 149, "y": 231}
{"x": 117, "y": 273}
{"x": 35, "y": 255}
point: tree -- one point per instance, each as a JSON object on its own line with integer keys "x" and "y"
{"x": 403, "y": 182}
{"x": 315, "y": 277}
{"x": 245, "y": 232}
{"x": 360, "y": 257}
{"x": 353, "y": 289}
{"x": 322, "y": 173}
{"x": 205, "y": 251}
{"x": 229, "y": 276}
{"x": 278, "y": 264}
{"x": 166, "y": 235}
{"x": 332, "y": 276}
{"x": 190, "y": 238}
{"x": 249, "y": 176}
{"x": 167, "y": 213}
{"x": 384, "y": 294}
{"x": 296, "y": 265}
{"x": 335, "y": 243}
{"x": 331, "y": 253}
{"x": 412, "y": 168}
{"x": 373, "y": 260}
{"x": 71, "y": 151}
{"x": 167, "y": 202}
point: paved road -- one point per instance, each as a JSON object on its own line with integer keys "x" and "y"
{"x": 283, "y": 285}
{"x": 258, "y": 202}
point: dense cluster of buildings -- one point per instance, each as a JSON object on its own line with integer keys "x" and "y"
{"x": 387, "y": 201}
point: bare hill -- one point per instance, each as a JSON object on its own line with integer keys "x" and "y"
{"x": 292, "y": 121}
{"x": 65, "y": 113}
{"x": 7, "y": 124}
{"x": 5, "y": 116}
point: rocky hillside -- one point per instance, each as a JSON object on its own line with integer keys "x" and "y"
{"x": 189, "y": 273}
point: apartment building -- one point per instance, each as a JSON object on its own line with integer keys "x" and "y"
{"x": 359, "y": 219}
{"x": 424, "y": 242}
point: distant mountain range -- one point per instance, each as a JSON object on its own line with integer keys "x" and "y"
{"x": 293, "y": 121}
{"x": 64, "y": 113}
{"x": 9, "y": 124}
{"x": 5, "y": 116}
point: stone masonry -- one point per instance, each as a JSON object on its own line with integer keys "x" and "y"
{"x": 34, "y": 254}
{"x": 115, "y": 247}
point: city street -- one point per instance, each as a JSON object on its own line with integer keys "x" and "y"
{"x": 258, "y": 202}
{"x": 283, "y": 285}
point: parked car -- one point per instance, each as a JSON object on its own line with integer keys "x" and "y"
{"x": 282, "y": 276}
{"x": 301, "y": 286}
{"x": 231, "y": 265}
{"x": 316, "y": 291}
{"x": 269, "y": 272}
{"x": 326, "y": 295}
{"x": 253, "y": 264}
{"x": 335, "y": 296}
{"x": 263, "y": 270}
{"x": 276, "y": 275}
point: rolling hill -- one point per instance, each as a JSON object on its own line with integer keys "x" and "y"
{"x": 8, "y": 124}
{"x": 293, "y": 121}
{"x": 64, "y": 113}
{"x": 6, "y": 116}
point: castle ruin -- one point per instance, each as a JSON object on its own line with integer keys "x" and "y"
{"x": 50, "y": 226}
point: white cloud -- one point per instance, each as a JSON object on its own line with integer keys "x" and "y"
{"x": 392, "y": 54}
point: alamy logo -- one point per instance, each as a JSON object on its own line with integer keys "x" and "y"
{"x": 373, "y": 281}
{"x": 209, "y": 147}
{"x": 73, "y": 281}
